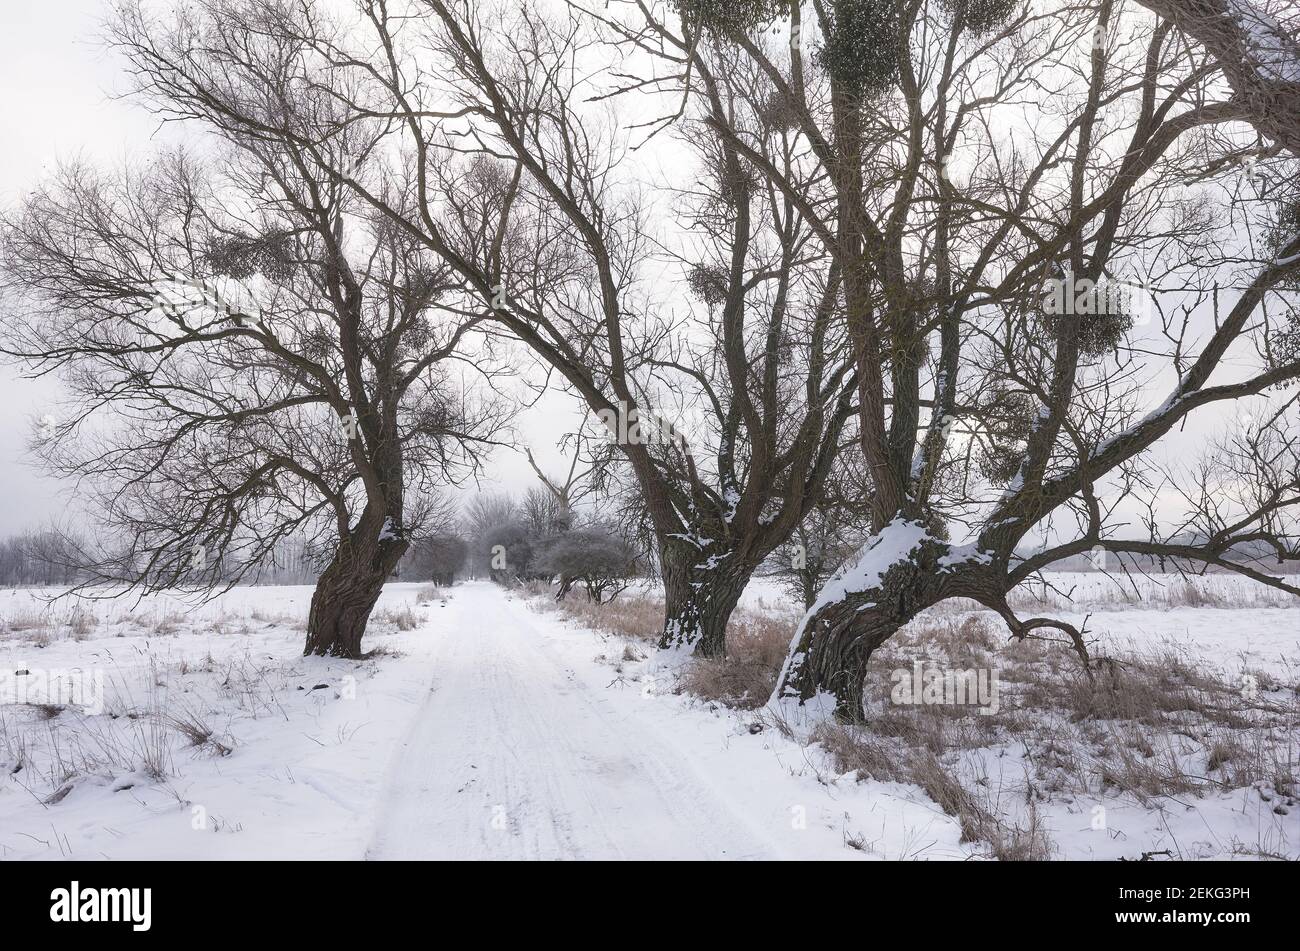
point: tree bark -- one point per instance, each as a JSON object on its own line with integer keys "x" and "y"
{"x": 345, "y": 595}
{"x": 831, "y": 650}
{"x": 565, "y": 586}
{"x": 700, "y": 592}
{"x": 1259, "y": 60}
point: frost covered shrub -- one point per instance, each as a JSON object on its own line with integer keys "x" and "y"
{"x": 403, "y": 618}
{"x": 511, "y": 551}
{"x": 596, "y": 558}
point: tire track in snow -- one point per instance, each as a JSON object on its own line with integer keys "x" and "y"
{"x": 513, "y": 757}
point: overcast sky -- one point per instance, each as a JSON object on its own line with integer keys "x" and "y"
{"x": 57, "y": 100}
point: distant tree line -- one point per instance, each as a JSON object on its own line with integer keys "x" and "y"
{"x": 30, "y": 559}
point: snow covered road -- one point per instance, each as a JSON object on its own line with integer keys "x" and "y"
{"x": 483, "y": 727}
{"x": 514, "y": 756}
{"x": 487, "y": 726}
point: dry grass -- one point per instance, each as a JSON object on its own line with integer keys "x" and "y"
{"x": 99, "y": 747}
{"x": 756, "y": 645}
{"x": 28, "y": 623}
{"x": 48, "y": 750}
{"x": 629, "y": 615}
{"x": 746, "y": 677}
{"x": 82, "y": 623}
{"x": 1152, "y": 724}
{"x": 195, "y": 729}
{"x": 167, "y": 623}
{"x": 43, "y": 627}
{"x": 403, "y": 618}
{"x": 858, "y": 750}
{"x": 275, "y": 619}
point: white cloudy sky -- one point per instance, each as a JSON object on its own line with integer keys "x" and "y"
{"x": 57, "y": 100}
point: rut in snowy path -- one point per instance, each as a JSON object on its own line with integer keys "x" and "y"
{"x": 513, "y": 757}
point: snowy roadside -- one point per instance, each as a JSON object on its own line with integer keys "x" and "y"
{"x": 1186, "y": 749}
{"x": 489, "y": 725}
{"x": 309, "y": 739}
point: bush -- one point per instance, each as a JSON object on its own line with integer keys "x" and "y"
{"x": 511, "y": 549}
{"x": 595, "y": 557}
{"x": 439, "y": 558}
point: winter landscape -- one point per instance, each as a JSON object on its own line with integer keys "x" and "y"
{"x": 856, "y": 430}
{"x": 488, "y": 724}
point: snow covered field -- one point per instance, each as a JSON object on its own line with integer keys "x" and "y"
{"x": 484, "y": 728}
{"x": 1227, "y": 620}
{"x": 309, "y": 738}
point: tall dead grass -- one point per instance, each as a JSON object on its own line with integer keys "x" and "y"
{"x": 745, "y": 678}
{"x": 635, "y": 616}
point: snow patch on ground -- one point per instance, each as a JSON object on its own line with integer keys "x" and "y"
{"x": 310, "y": 738}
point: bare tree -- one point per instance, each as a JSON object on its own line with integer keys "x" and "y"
{"x": 529, "y": 198}
{"x": 483, "y": 514}
{"x": 437, "y": 552}
{"x": 585, "y": 479}
{"x": 544, "y": 514}
{"x": 247, "y": 355}
{"x": 512, "y": 550}
{"x": 39, "y": 558}
{"x": 907, "y": 228}
{"x": 986, "y": 409}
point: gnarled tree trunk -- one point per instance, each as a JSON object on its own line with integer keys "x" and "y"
{"x": 894, "y": 577}
{"x": 346, "y": 593}
{"x": 701, "y": 590}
